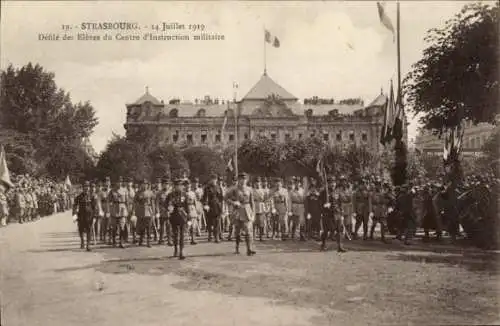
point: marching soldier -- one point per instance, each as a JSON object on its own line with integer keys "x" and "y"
{"x": 313, "y": 209}
{"x": 104, "y": 197}
{"x": 267, "y": 206}
{"x": 281, "y": 209}
{"x": 162, "y": 208}
{"x": 332, "y": 214}
{"x": 201, "y": 222}
{"x": 404, "y": 205}
{"x": 119, "y": 212}
{"x": 297, "y": 198}
{"x": 85, "y": 207}
{"x": 362, "y": 206}
{"x": 177, "y": 208}
{"x": 260, "y": 198}
{"x": 131, "y": 224}
{"x": 156, "y": 189}
{"x": 346, "y": 197}
{"x": 213, "y": 197}
{"x": 380, "y": 202}
{"x": 20, "y": 205}
{"x": 241, "y": 197}
{"x": 98, "y": 213}
{"x": 144, "y": 210}
{"x": 192, "y": 210}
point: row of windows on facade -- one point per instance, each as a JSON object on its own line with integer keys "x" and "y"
{"x": 231, "y": 138}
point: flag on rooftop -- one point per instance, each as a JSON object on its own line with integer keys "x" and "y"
{"x": 384, "y": 18}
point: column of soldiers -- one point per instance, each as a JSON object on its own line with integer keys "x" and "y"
{"x": 29, "y": 199}
{"x": 269, "y": 209}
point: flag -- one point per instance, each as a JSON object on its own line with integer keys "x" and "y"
{"x": 267, "y": 36}
{"x": 4, "y": 170}
{"x": 273, "y": 40}
{"x": 276, "y": 42}
{"x": 386, "y": 134}
{"x": 320, "y": 169}
{"x": 398, "y": 124}
{"x": 230, "y": 165}
{"x": 67, "y": 182}
{"x": 453, "y": 143}
{"x": 384, "y": 19}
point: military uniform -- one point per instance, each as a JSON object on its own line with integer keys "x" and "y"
{"x": 313, "y": 211}
{"x": 105, "y": 204}
{"x": 404, "y": 206}
{"x": 84, "y": 207}
{"x": 280, "y": 210}
{"x": 131, "y": 219}
{"x": 213, "y": 198}
{"x": 144, "y": 210}
{"x": 4, "y": 206}
{"x": 19, "y": 206}
{"x": 380, "y": 202}
{"x": 331, "y": 216}
{"x": 346, "y": 197}
{"x": 241, "y": 197}
{"x": 119, "y": 213}
{"x": 192, "y": 211}
{"x": 297, "y": 199}
{"x": 260, "y": 198}
{"x": 178, "y": 207}
{"x": 165, "y": 227}
{"x": 362, "y": 207}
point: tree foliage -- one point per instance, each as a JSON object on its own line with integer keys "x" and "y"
{"x": 457, "y": 77}
{"x": 41, "y": 120}
{"x": 203, "y": 162}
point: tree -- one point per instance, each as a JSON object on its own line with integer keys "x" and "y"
{"x": 260, "y": 156}
{"x": 203, "y": 162}
{"x": 457, "y": 78}
{"x": 168, "y": 161}
{"x": 70, "y": 159}
{"x": 41, "y": 119}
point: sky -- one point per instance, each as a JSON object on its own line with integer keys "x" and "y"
{"x": 327, "y": 48}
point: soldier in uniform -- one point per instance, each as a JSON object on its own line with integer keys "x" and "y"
{"x": 404, "y": 206}
{"x": 104, "y": 196}
{"x": 162, "y": 208}
{"x": 379, "y": 203}
{"x": 131, "y": 225}
{"x": 346, "y": 196}
{"x": 267, "y": 206}
{"x": 297, "y": 198}
{"x": 241, "y": 197}
{"x": 156, "y": 189}
{"x": 177, "y": 207}
{"x": 313, "y": 209}
{"x": 332, "y": 214}
{"x": 362, "y": 206}
{"x": 98, "y": 213}
{"x": 192, "y": 210}
{"x": 144, "y": 210}
{"x": 19, "y": 205}
{"x": 259, "y": 195}
{"x": 84, "y": 207}
{"x": 213, "y": 197}
{"x": 198, "y": 191}
{"x": 281, "y": 208}
{"x": 119, "y": 212}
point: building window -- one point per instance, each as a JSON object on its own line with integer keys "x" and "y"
{"x": 351, "y": 136}
{"x": 245, "y": 136}
{"x": 473, "y": 143}
{"x": 273, "y": 136}
{"x": 175, "y": 137}
{"x": 300, "y": 136}
{"x": 231, "y": 137}
{"x": 217, "y": 138}
{"x": 364, "y": 137}
{"x": 203, "y": 139}
{"x": 189, "y": 138}
{"x": 287, "y": 137}
{"x": 339, "y": 136}
{"x": 326, "y": 137}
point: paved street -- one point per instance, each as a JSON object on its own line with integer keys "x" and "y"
{"x": 47, "y": 280}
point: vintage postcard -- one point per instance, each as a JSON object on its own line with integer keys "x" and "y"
{"x": 248, "y": 163}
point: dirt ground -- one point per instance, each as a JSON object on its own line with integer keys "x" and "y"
{"x": 45, "y": 279}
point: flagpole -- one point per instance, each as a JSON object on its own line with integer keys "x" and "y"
{"x": 265, "y": 55}
{"x": 235, "y": 131}
{"x": 399, "y": 54}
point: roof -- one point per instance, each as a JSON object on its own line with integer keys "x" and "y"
{"x": 378, "y": 101}
{"x": 266, "y": 87}
{"x": 147, "y": 98}
{"x": 191, "y": 109}
{"x": 323, "y": 109}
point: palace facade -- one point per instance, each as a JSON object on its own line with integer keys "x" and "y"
{"x": 266, "y": 110}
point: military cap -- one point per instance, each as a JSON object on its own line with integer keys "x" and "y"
{"x": 86, "y": 183}
{"x": 108, "y": 178}
{"x": 220, "y": 178}
{"x": 242, "y": 175}
{"x": 185, "y": 181}
{"x": 145, "y": 182}
{"x": 196, "y": 179}
{"x": 178, "y": 181}
{"x": 330, "y": 178}
{"x": 213, "y": 176}
{"x": 165, "y": 180}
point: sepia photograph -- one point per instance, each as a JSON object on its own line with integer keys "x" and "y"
{"x": 213, "y": 163}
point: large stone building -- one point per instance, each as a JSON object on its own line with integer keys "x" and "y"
{"x": 266, "y": 110}
{"x": 473, "y": 140}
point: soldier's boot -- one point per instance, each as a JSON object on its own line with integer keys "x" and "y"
{"x": 261, "y": 233}
{"x": 148, "y": 238}
{"x": 372, "y": 230}
{"x": 175, "y": 250}
{"x": 181, "y": 247}
{"x": 248, "y": 242}
{"x": 302, "y": 233}
{"x": 122, "y": 238}
{"x": 210, "y": 231}
{"x": 82, "y": 245}
{"x": 192, "y": 236}
{"x": 340, "y": 248}
{"x": 237, "y": 251}
{"x": 88, "y": 241}
{"x": 230, "y": 233}
{"x": 382, "y": 234}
